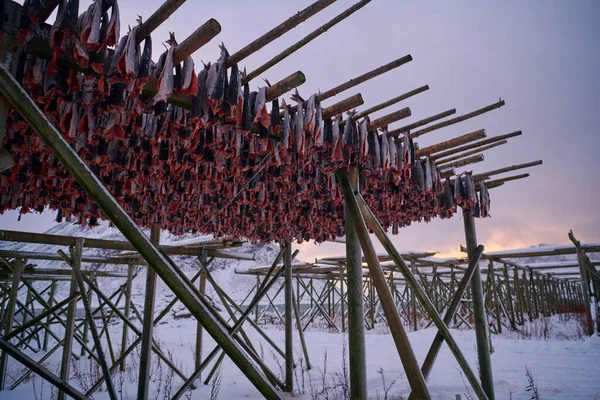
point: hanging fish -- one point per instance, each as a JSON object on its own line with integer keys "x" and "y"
{"x": 286, "y": 128}
{"x": 165, "y": 82}
{"x": 246, "y": 110}
{"x": 392, "y": 149}
{"x": 319, "y": 140}
{"x": 62, "y": 30}
{"x": 428, "y": 176}
{"x": 309, "y": 114}
{"x": 418, "y": 176}
{"x": 275, "y": 118}
{"x": 385, "y": 153}
{"x": 363, "y": 130}
{"x": 189, "y": 83}
{"x": 261, "y": 115}
{"x": 298, "y": 123}
{"x": 112, "y": 70}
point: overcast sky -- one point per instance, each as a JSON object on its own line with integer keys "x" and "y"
{"x": 541, "y": 57}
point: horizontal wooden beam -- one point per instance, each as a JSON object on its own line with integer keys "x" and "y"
{"x": 390, "y": 102}
{"x": 457, "y": 141}
{"x": 424, "y": 121}
{"x": 458, "y": 119}
{"x": 476, "y": 145}
{"x": 343, "y": 106}
{"x": 463, "y": 162}
{"x": 469, "y": 153}
{"x": 157, "y": 18}
{"x": 486, "y": 175}
{"x": 389, "y": 118}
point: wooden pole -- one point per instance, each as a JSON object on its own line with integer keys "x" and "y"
{"x": 487, "y": 174}
{"x": 499, "y": 182}
{"x": 405, "y": 351}
{"x": 9, "y": 317}
{"x": 509, "y": 298}
{"x": 457, "y": 119}
{"x": 290, "y": 50}
{"x": 475, "y": 145}
{"x": 364, "y": 77}
{"x": 462, "y": 162}
{"x": 356, "y": 327}
{"x": 65, "y": 365}
{"x": 585, "y": 286}
{"x": 278, "y": 31}
{"x": 126, "y": 309}
{"x": 199, "y": 330}
{"x": 424, "y": 121}
{"x": 301, "y": 331}
{"x": 389, "y": 118}
{"x": 75, "y": 263}
{"x": 363, "y": 209}
{"x": 61, "y": 384}
{"x": 289, "y": 321}
{"x": 467, "y": 153}
{"x": 413, "y": 300}
{"x": 285, "y": 85}
{"x": 196, "y": 40}
{"x": 436, "y": 345}
{"x": 495, "y": 292}
{"x": 390, "y": 102}
{"x": 457, "y": 141}
{"x": 481, "y": 327}
{"x": 342, "y": 296}
{"x": 148, "y": 325}
{"x": 157, "y": 18}
{"x": 343, "y": 106}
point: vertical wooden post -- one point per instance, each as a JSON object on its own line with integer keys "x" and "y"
{"x": 413, "y": 301}
{"x": 534, "y": 295}
{"x": 65, "y": 365}
{"x": 301, "y": 331}
{"x": 9, "y": 316}
{"x": 76, "y": 255}
{"x": 356, "y": 312}
{"x": 496, "y": 300}
{"x": 256, "y": 307}
{"x": 509, "y": 298}
{"x": 26, "y": 314}
{"x": 481, "y": 325}
{"x": 127, "y": 306}
{"x": 289, "y": 322}
{"x": 148, "y": 327}
{"x": 50, "y": 301}
{"x": 85, "y": 321}
{"x": 199, "y": 330}
{"x": 342, "y": 296}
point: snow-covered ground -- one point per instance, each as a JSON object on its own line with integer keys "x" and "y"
{"x": 561, "y": 368}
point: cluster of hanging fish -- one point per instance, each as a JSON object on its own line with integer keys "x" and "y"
{"x": 228, "y": 166}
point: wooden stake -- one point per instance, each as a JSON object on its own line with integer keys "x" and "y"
{"x": 457, "y": 119}
{"x": 278, "y": 31}
{"x": 425, "y": 121}
{"x": 290, "y": 50}
{"x": 457, "y": 141}
{"x": 486, "y": 175}
{"x": 364, "y": 77}
{"x": 390, "y": 102}
{"x": 389, "y": 118}
{"x": 126, "y": 308}
{"x": 476, "y": 145}
{"x": 499, "y": 182}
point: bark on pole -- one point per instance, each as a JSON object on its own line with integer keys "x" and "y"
{"x": 356, "y": 327}
{"x": 481, "y": 327}
{"x": 463, "y": 162}
{"x": 343, "y": 106}
{"x": 289, "y": 321}
{"x": 127, "y": 306}
{"x": 389, "y": 118}
{"x": 158, "y": 17}
{"x": 278, "y": 31}
{"x": 407, "y": 356}
{"x": 148, "y": 325}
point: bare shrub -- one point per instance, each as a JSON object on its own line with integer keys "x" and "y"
{"x": 215, "y": 383}
{"x": 386, "y": 386}
{"x": 532, "y": 386}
